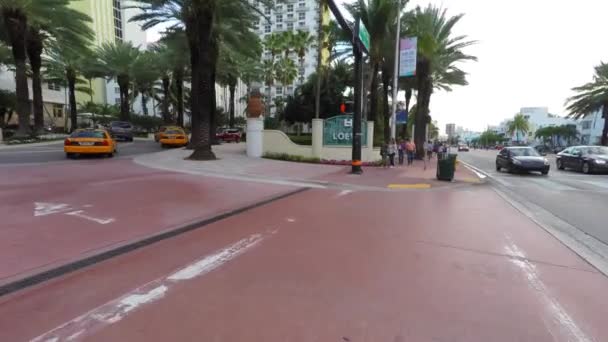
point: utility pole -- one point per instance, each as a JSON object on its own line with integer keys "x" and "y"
{"x": 356, "y": 151}
{"x": 396, "y": 75}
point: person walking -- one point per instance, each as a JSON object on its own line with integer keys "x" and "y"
{"x": 410, "y": 148}
{"x": 384, "y": 155}
{"x": 428, "y": 146}
{"x": 401, "y": 149}
{"x": 392, "y": 150}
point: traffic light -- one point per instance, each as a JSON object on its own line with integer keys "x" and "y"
{"x": 342, "y": 108}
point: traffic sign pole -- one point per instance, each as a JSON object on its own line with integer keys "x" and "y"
{"x": 356, "y": 150}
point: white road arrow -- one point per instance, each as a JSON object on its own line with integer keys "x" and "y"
{"x": 44, "y": 208}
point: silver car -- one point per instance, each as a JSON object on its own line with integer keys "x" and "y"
{"x": 121, "y": 130}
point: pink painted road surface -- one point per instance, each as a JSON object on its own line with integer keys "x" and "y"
{"x": 455, "y": 264}
{"x": 58, "y": 213}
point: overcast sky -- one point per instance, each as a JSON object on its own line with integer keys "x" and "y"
{"x": 531, "y": 53}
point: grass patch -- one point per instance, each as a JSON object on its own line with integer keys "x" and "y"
{"x": 291, "y": 158}
{"x": 301, "y": 139}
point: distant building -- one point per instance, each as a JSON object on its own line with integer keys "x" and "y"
{"x": 538, "y": 117}
{"x": 450, "y": 130}
{"x": 590, "y": 128}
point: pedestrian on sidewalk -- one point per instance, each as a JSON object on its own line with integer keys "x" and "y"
{"x": 401, "y": 148}
{"x": 392, "y": 150}
{"x": 428, "y": 146}
{"x": 410, "y": 148}
{"x": 384, "y": 155}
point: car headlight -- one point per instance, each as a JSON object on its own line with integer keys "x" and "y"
{"x": 599, "y": 161}
{"x": 516, "y": 162}
{"x": 546, "y": 161}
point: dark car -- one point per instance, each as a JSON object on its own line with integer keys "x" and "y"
{"x": 229, "y": 135}
{"x": 587, "y": 159}
{"x": 524, "y": 158}
{"x": 121, "y": 130}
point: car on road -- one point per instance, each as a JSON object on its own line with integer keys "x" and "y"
{"x": 586, "y": 159}
{"x": 463, "y": 148}
{"x": 230, "y": 135}
{"x": 121, "y": 130}
{"x": 521, "y": 158}
{"x": 163, "y": 129}
{"x": 89, "y": 141}
{"x": 173, "y": 136}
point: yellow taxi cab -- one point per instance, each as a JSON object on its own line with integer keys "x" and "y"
{"x": 173, "y": 136}
{"x": 161, "y": 130}
{"x": 89, "y": 141}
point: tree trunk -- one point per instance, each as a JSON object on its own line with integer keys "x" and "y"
{"x": 604, "y": 140}
{"x": 373, "y": 95}
{"x": 71, "y": 78}
{"x": 144, "y": 104}
{"x": 232, "y": 88}
{"x": 425, "y": 89}
{"x": 320, "y": 44}
{"x": 214, "y": 54}
{"x": 123, "y": 85}
{"x": 408, "y": 99}
{"x": 166, "y": 115}
{"x": 385, "y": 82}
{"x": 16, "y": 24}
{"x": 34, "y": 52}
{"x": 179, "y": 92}
{"x": 198, "y": 28}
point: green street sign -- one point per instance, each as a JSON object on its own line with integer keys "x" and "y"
{"x": 363, "y": 35}
{"x": 338, "y": 131}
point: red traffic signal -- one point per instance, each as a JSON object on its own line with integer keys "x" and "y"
{"x": 342, "y": 108}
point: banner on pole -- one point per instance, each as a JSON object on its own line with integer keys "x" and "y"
{"x": 401, "y": 117}
{"x": 407, "y": 56}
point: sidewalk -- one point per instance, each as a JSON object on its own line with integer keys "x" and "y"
{"x": 233, "y": 163}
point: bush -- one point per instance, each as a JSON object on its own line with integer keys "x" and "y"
{"x": 292, "y": 158}
{"x": 271, "y": 123}
{"x": 301, "y": 140}
{"x": 146, "y": 123}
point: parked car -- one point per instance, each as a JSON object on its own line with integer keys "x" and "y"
{"x": 89, "y": 141}
{"x": 587, "y": 159}
{"x": 522, "y": 158}
{"x": 121, "y": 130}
{"x": 463, "y": 148}
{"x": 230, "y": 135}
{"x": 173, "y": 136}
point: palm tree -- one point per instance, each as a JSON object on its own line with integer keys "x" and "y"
{"x": 286, "y": 42}
{"x": 591, "y": 98}
{"x": 65, "y": 65}
{"x": 439, "y": 52}
{"x": 286, "y": 71}
{"x": 176, "y": 43}
{"x": 302, "y": 41}
{"x": 273, "y": 43}
{"x": 375, "y": 15}
{"x": 518, "y": 124}
{"x": 200, "y": 19}
{"x": 145, "y": 71}
{"x": 117, "y": 61}
{"x": 269, "y": 71}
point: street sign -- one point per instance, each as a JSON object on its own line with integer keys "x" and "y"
{"x": 338, "y": 131}
{"x": 407, "y": 56}
{"x": 363, "y": 36}
{"x": 401, "y": 117}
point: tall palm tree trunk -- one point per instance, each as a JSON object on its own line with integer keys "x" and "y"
{"x": 199, "y": 31}
{"x": 16, "y": 24}
{"x": 425, "y": 89}
{"x": 123, "y": 85}
{"x": 604, "y": 140}
{"x": 179, "y": 94}
{"x": 386, "y": 79}
{"x": 214, "y": 54}
{"x": 320, "y": 42}
{"x": 232, "y": 89}
{"x": 373, "y": 114}
{"x": 34, "y": 52}
{"x": 408, "y": 99}
{"x": 165, "y": 105}
{"x": 71, "y": 78}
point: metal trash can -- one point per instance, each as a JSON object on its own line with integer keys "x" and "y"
{"x": 446, "y": 165}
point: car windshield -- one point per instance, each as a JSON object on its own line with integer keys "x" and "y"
{"x": 595, "y": 150}
{"x": 524, "y": 152}
{"x": 121, "y": 124}
{"x": 87, "y": 134}
{"x": 174, "y": 131}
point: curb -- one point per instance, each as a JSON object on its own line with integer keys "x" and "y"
{"x": 76, "y": 265}
{"x": 42, "y": 143}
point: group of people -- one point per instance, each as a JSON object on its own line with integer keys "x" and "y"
{"x": 407, "y": 148}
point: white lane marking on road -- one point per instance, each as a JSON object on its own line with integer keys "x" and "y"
{"x": 598, "y": 184}
{"x": 559, "y": 314}
{"x": 117, "y": 309}
{"x": 552, "y": 185}
{"x": 343, "y": 193}
{"x": 290, "y": 219}
{"x": 47, "y": 208}
{"x": 79, "y": 213}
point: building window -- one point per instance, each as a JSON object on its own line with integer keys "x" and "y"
{"x": 117, "y": 100}
{"x": 301, "y": 4}
{"x": 302, "y": 70}
{"x": 57, "y": 111}
{"x": 290, "y": 16}
{"x": 289, "y": 90}
{"x": 279, "y": 91}
{"x": 586, "y": 125}
{"x": 301, "y": 24}
{"x": 302, "y": 16}
{"x": 267, "y": 11}
{"x": 117, "y": 20}
{"x": 279, "y": 26}
{"x": 267, "y": 29}
{"x": 290, "y": 26}
{"x": 279, "y": 8}
{"x": 54, "y": 86}
{"x": 290, "y": 8}
{"x": 279, "y": 19}
{"x": 116, "y": 90}
{"x": 267, "y": 90}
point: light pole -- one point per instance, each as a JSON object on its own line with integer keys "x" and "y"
{"x": 396, "y": 75}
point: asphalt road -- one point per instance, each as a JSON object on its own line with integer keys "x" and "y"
{"x": 54, "y": 152}
{"x": 576, "y": 198}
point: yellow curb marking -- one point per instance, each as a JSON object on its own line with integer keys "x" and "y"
{"x": 471, "y": 180}
{"x": 409, "y": 186}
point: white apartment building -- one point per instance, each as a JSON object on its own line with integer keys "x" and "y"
{"x": 591, "y": 128}
{"x": 538, "y": 117}
{"x": 291, "y": 16}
